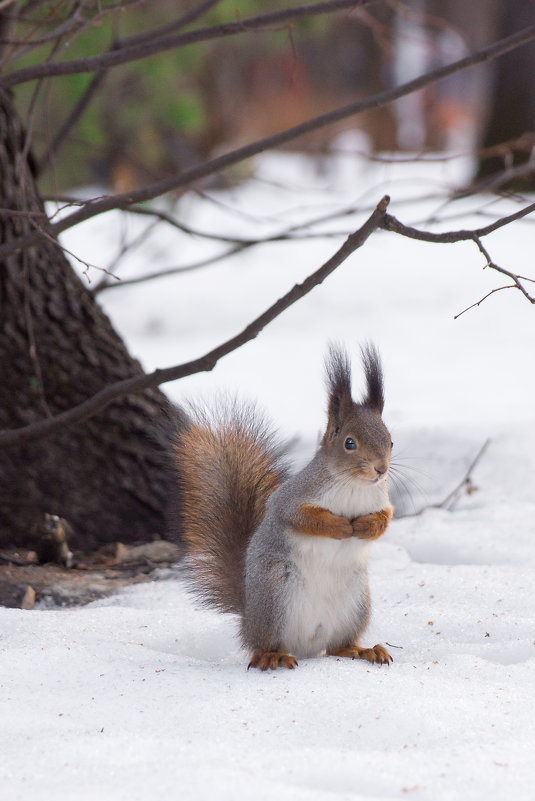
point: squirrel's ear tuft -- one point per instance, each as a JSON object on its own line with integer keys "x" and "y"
{"x": 338, "y": 375}
{"x": 374, "y": 378}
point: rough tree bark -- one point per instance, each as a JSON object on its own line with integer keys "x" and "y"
{"x": 107, "y": 476}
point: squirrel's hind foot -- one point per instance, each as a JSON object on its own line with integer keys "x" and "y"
{"x": 271, "y": 659}
{"x": 377, "y": 655}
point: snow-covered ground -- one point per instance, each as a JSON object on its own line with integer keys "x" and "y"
{"x": 146, "y": 696}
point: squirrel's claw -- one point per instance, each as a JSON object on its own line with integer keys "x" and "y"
{"x": 272, "y": 660}
{"x": 376, "y": 655}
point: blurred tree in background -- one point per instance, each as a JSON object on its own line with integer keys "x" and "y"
{"x": 168, "y": 111}
{"x": 509, "y": 136}
{"x": 172, "y": 109}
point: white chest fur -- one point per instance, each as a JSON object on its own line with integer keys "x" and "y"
{"x": 329, "y": 596}
{"x": 354, "y": 498}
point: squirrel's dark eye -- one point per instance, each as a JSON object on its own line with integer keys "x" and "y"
{"x": 350, "y": 444}
{"x": 391, "y": 445}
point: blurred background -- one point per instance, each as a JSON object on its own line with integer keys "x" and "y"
{"x": 163, "y": 113}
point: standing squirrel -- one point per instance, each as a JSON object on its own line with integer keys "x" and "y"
{"x": 289, "y": 555}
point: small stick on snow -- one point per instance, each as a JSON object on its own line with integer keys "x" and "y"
{"x": 466, "y": 482}
{"x": 451, "y": 498}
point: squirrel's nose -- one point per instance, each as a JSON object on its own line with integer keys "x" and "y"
{"x": 381, "y": 470}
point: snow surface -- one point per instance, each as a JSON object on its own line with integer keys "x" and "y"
{"x": 146, "y": 696}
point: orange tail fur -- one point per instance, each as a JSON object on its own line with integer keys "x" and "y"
{"x": 228, "y": 464}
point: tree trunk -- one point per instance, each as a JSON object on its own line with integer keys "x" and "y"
{"x": 512, "y": 110}
{"x": 469, "y": 91}
{"x": 106, "y": 476}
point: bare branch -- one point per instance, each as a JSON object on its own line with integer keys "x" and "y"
{"x": 87, "y": 264}
{"x": 207, "y": 362}
{"x": 152, "y": 46}
{"x": 291, "y": 233}
{"x": 186, "y": 19}
{"x": 188, "y": 177}
{"x": 239, "y": 244}
{"x": 72, "y": 26}
{"x": 123, "y": 201}
{"x": 18, "y": 48}
{"x": 498, "y": 179}
{"x": 95, "y": 83}
{"x": 105, "y": 284}
{"x": 127, "y": 247}
{"x": 209, "y": 261}
{"x": 287, "y": 233}
{"x": 449, "y": 237}
{"x": 186, "y": 229}
{"x": 493, "y": 266}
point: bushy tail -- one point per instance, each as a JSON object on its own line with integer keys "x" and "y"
{"x": 228, "y": 463}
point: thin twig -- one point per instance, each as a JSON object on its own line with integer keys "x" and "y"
{"x": 72, "y": 119}
{"x": 186, "y": 229}
{"x": 465, "y": 483}
{"x": 209, "y": 261}
{"x": 68, "y": 26}
{"x": 493, "y": 266}
{"x": 479, "y": 302}
{"x": 167, "y": 272}
{"x": 450, "y": 237}
{"x": 493, "y": 182}
{"x": 288, "y": 233}
{"x": 126, "y": 249}
{"x": 72, "y": 26}
{"x": 87, "y": 264}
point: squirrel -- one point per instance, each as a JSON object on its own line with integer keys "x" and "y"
{"x": 288, "y": 554}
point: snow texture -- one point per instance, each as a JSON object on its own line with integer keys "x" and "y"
{"x": 144, "y": 695}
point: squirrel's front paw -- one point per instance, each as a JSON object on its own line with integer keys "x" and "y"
{"x": 340, "y": 528}
{"x": 317, "y": 521}
{"x": 371, "y": 527}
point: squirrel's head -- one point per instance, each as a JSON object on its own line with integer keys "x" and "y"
{"x": 356, "y": 442}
